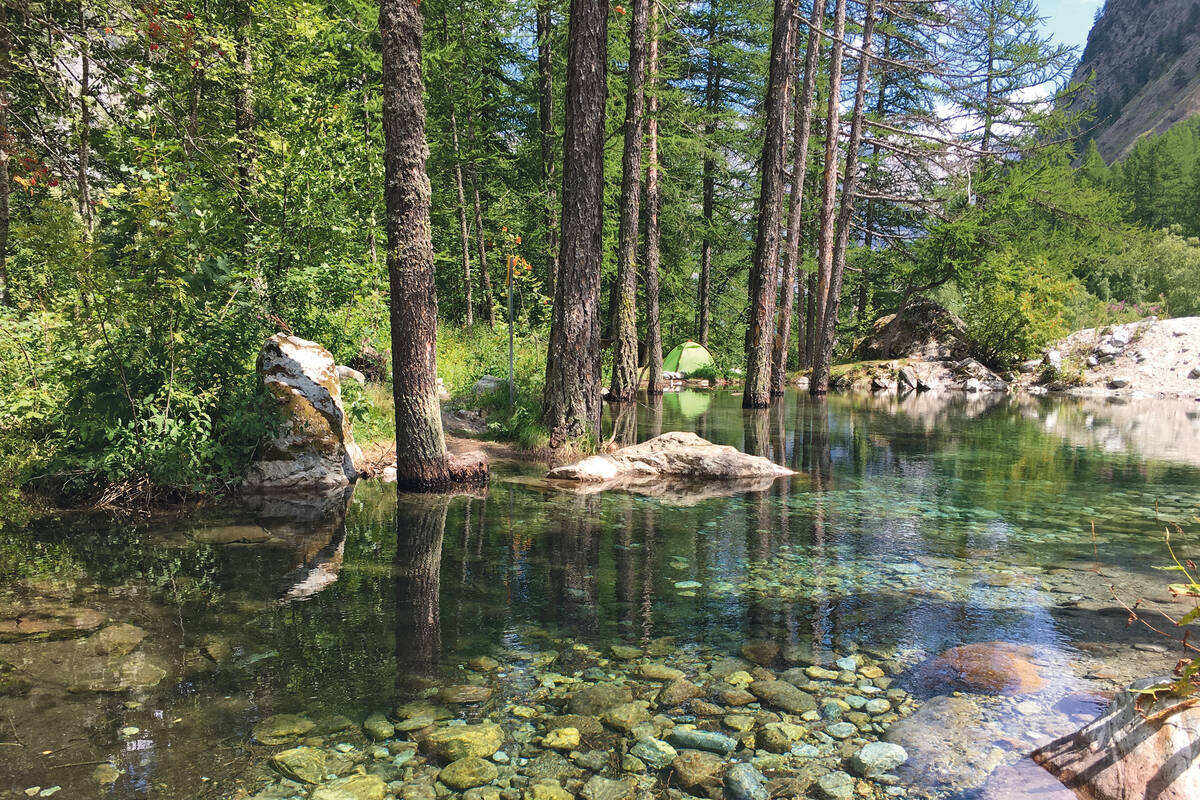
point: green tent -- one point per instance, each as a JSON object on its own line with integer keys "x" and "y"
{"x": 688, "y": 357}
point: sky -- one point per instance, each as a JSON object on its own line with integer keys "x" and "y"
{"x": 1069, "y": 21}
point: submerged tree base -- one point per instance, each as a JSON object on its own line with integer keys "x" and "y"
{"x": 456, "y": 469}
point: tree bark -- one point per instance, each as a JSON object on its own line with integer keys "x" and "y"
{"x": 489, "y": 307}
{"x": 654, "y": 354}
{"x": 823, "y": 359}
{"x": 625, "y": 345}
{"x": 5, "y": 150}
{"x": 243, "y": 105}
{"x": 801, "y": 135}
{"x": 421, "y": 459}
{"x": 833, "y": 122}
{"x": 464, "y": 236}
{"x": 765, "y": 269}
{"x": 810, "y": 316}
{"x": 545, "y": 36}
{"x": 571, "y": 404}
{"x": 712, "y": 94}
{"x": 85, "y": 124}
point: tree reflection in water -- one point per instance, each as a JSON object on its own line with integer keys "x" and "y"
{"x": 420, "y": 526}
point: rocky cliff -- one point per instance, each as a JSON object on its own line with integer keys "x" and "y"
{"x": 1143, "y": 59}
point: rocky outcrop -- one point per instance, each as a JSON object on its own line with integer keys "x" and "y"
{"x": 674, "y": 456}
{"x": 923, "y": 329}
{"x": 313, "y": 448}
{"x": 1152, "y": 752}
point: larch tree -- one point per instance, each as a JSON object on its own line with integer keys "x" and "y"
{"x": 422, "y": 462}
{"x": 712, "y": 91}
{"x": 545, "y": 40}
{"x": 654, "y": 353}
{"x": 800, "y": 139}
{"x": 764, "y": 271}
{"x": 827, "y": 333}
{"x": 828, "y": 213}
{"x": 571, "y": 403}
{"x": 625, "y": 345}
{"x": 5, "y": 150}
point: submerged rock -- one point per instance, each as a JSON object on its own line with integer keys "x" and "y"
{"x": 877, "y": 758}
{"x": 782, "y": 694}
{"x": 1129, "y": 753}
{"x": 594, "y": 700}
{"x": 314, "y": 445}
{"x": 703, "y": 740}
{"x": 744, "y": 782}
{"x": 598, "y": 788}
{"x": 656, "y": 753}
{"x": 947, "y": 744}
{"x": 304, "y": 764}
{"x": 697, "y": 771}
{"x": 279, "y": 728}
{"x": 998, "y": 668}
{"x": 51, "y": 620}
{"x": 467, "y": 773}
{"x": 454, "y": 742}
{"x": 354, "y": 787}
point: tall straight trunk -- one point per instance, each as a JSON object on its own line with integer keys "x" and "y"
{"x": 801, "y": 135}
{"x": 545, "y": 37}
{"x": 864, "y": 293}
{"x": 5, "y": 139}
{"x": 463, "y": 235}
{"x": 764, "y": 272}
{"x": 571, "y": 405}
{"x": 85, "y": 124}
{"x": 823, "y": 358}
{"x": 625, "y": 345}
{"x": 833, "y": 124}
{"x": 371, "y": 246}
{"x": 810, "y": 318}
{"x": 489, "y": 307}
{"x": 712, "y": 94}
{"x": 243, "y": 109}
{"x": 421, "y": 459}
{"x": 654, "y": 354}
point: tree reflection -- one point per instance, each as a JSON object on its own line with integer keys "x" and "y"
{"x": 416, "y": 569}
{"x": 624, "y": 430}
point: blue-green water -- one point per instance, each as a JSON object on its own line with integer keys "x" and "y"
{"x": 910, "y": 527}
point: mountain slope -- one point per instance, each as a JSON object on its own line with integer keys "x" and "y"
{"x": 1143, "y": 58}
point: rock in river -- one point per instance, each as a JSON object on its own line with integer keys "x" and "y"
{"x": 697, "y": 771}
{"x": 1127, "y": 753}
{"x": 594, "y": 700}
{"x": 877, "y": 758}
{"x": 983, "y": 668}
{"x": 304, "y": 764}
{"x": 466, "y": 773}
{"x": 703, "y": 740}
{"x": 673, "y": 455}
{"x": 782, "y": 694}
{"x": 354, "y": 787}
{"x": 279, "y": 728}
{"x": 655, "y": 753}
{"x": 744, "y": 782}
{"x": 314, "y": 445}
{"x": 453, "y": 742}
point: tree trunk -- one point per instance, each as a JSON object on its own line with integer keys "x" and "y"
{"x": 5, "y": 151}
{"x": 421, "y": 459}
{"x": 85, "y": 124}
{"x": 571, "y": 405}
{"x": 765, "y": 269}
{"x": 625, "y": 345}
{"x": 654, "y": 354}
{"x": 826, "y": 335}
{"x": 864, "y": 288}
{"x": 712, "y": 94}
{"x": 545, "y": 36}
{"x": 833, "y": 123}
{"x": 802, "y": 132}
{"x": 810, "y": 318}
{"x": 464, "y": 236}
{"x": 243, "y": 105}
{"x": 489, "y": 307}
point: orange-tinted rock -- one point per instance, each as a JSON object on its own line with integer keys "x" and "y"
{"x": 983, "y": 668}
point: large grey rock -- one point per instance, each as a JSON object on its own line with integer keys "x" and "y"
{"x": 947, "y": 743}
{"x": 877, "y": 758}
{"x": 744, "y": 782}
{"x": 1129, "y": 753}
{"x": 676, "y": 455}
{"x": 313, "y": 447}
{"x": 710, "y": 741}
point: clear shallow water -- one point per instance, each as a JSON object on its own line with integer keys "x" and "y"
{"x": 911, "y": 527}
